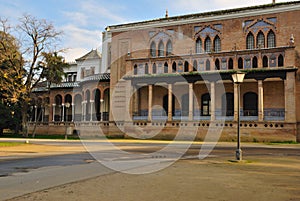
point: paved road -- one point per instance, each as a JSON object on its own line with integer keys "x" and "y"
{"x": 25, "y": 175}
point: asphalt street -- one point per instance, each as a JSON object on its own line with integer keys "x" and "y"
{"x": 19, "y": 176}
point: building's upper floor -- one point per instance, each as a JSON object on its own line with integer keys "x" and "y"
{"x": 254, "y": 37}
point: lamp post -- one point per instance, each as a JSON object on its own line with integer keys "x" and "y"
{"x": 67, "y": 105}
{"x": 238, "y": 78}
{"x": 101, "y": 106}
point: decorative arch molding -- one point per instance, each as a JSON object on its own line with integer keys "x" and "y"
{"x": 211, "y": 31}
{"x": 161, "y": 35}
{"x": 264, "y": 25}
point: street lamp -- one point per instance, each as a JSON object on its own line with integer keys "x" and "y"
{"x": 67, "y": 105}
{"x": 238, "y": 78}
{"x": 101, "y": 101}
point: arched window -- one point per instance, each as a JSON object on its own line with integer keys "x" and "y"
{"x": 153, "y": 49}
{"x": 265, "y": 62}
{"x": 186, "y": 66}
{"x": 207, "y": 44}
{"x": 240, "y": 63}
{"x": 161, "y": 49}
{"x": 271, "y": 39}
{"x": 254, "y": 62}
{"x": 250, "y": 104}
{"x": 195, "y": 65}
{"x": 135, "y": 69}
{"x": 174, "y": 67}
{"x": 217, "y": 44}
{"x": 169, "y": 48}
{"x": 230, "y": 63}
{"x": 166, "y": 67}
{"x": 280, "y": 61}
{"x": 205, "y": 104}
{"x": 146, "y": 69}
{"x": 227, "y": 104}
{"x": 260, "y": 40}
{"x": 207, "y": 66}
{"x": 217, "y": 64}
{"x": 154, "y": 70}
{"x": 250, "y": 41}
{"x": 198, "y": 46}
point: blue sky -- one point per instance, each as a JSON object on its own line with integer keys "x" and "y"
{"x": 83, "y": 21}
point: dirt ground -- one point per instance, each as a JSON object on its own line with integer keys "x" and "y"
{"x": 262, "y": 178}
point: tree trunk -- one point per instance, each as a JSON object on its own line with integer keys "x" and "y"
{"x": 35, "y": 123}
{"x": 24, "y": 120}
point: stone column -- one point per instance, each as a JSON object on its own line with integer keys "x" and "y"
{"x": 213, "y": 101}
{"x": 35, "y": 113}
{"x": 150, "y": 99}
{"x": 42, "y": 111}
{"x": 170, "y": 96}
{"x": 53, "y": 112}
{"x": 73, "y": 112}
{"x": 191, "y": 102}
{"x": 260, "y": 101}
{"x": 83, "y": 111}
{"x": 63, "y": 112}
{"x": 236, "y": 99}
{"x": 92, "y": 104}
{"x": 290, "y": 102}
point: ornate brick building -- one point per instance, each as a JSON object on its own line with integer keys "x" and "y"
{"x": 175, "y": 72}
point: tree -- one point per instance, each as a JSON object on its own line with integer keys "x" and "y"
{"x": 38, "y": 36}
{"x": 11, "y": 67}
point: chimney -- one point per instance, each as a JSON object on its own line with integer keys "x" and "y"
{"x": 273, "y": 1}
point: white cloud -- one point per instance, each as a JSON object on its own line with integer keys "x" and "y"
{"x": 75, "y": 37}
{"x": 74, "y": 53}
{"x": 77, "y": 17}
{"x": 186, "y": 6}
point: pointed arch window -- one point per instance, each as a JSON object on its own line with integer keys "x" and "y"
{"x": 198, "y": 46}
{"x": 161, "y": 49}
{"x": 174, "y": 67}
{"x": 195, "y": 65}
{"x": 265, "y": 61}
{"x": 250, "y": 41}
{"x": 207, "y": 44}
{"x": 271, "y": 39}
{"x": 153, "y": 49}
{"x": 166, "y": 67}
{"x": 240, "y": 63}
{"x": 260, "y": 40}
{"x": 217, "y": 44}
{"x": 280, "y": 61}
{"x": 146, "y": 69}
{"x": 169, "y": 48}
{"x": 186, "y": 66}
{"x": 135, "y": 69}
{"x": 207, "y": 67}
{"x": 254, "y": 62}
{"x": 217, "y": 64}
{"x": 230, "y": 63}
{"x": 154, "y": 70}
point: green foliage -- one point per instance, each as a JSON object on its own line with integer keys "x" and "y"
{"x": 52, "y": 67}
{"x": 11, "y": 69}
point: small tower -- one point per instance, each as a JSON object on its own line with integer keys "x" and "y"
{"x": 167, "y": 14}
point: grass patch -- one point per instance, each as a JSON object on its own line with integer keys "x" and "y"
{"x": 283, "y": 142}
{"x": 38, "y": 136}
{"x": 10, "y": 144}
